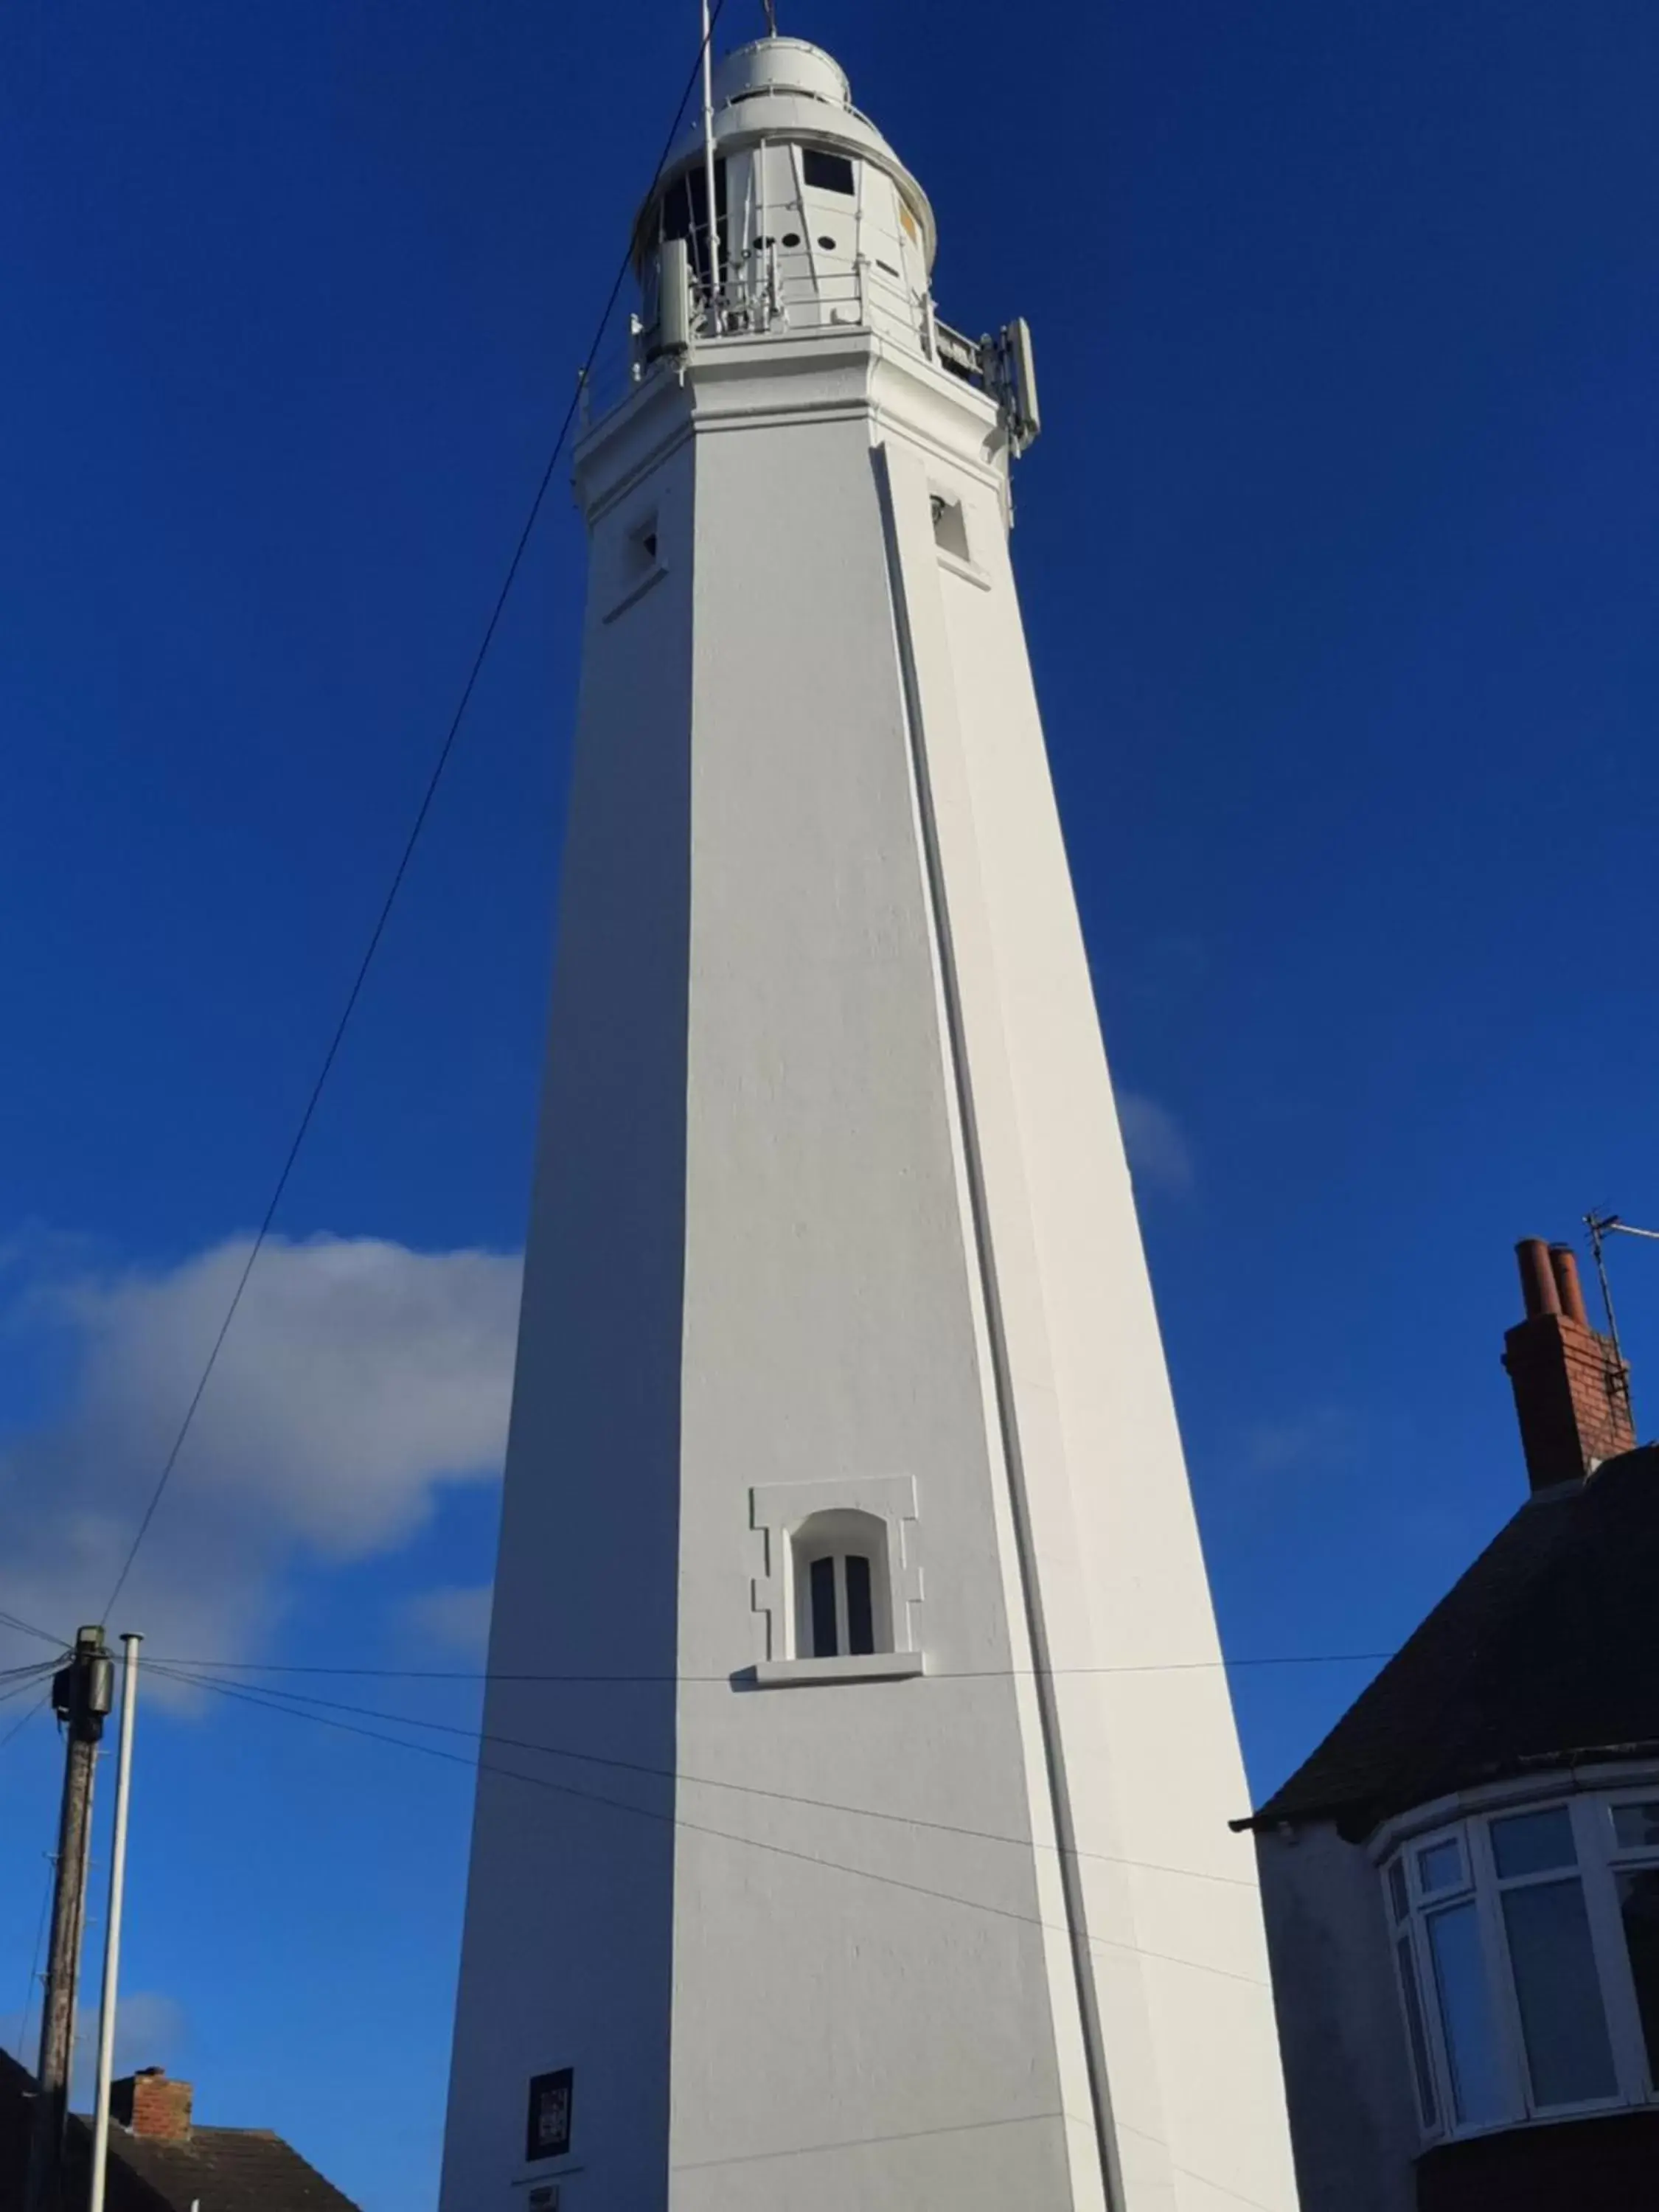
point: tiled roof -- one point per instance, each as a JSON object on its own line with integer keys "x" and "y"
{"x": 223, "y": 2169}
{"x": 228, "y": 2170}
{"x": 1546, "y": 1652}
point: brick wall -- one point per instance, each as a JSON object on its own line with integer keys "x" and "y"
{"x": 151, "y": 2105}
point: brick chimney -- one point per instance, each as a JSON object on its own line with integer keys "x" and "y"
{"x": 1571, "y": 1390}
{"x": 150, "y": 2104}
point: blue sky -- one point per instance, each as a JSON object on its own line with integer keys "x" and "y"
{"x": 1338, "y": 558}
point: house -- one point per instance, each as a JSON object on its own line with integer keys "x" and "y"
{"x": 159, "y": 2159}
{"x": 1462, "y": 1884}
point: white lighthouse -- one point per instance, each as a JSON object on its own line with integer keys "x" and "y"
{"x": 852, "y": 1826}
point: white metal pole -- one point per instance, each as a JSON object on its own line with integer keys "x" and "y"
{"x": 117, "y": 1880}
{"x": 709, "y": 167}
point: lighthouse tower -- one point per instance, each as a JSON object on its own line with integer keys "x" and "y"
{"x": 852, "y": 1823}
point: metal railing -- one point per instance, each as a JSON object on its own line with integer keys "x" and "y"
{"x": 770, "y": 292}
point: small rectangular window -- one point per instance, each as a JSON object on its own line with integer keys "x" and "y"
{"x": 641, "y": 555}
{"x": 1421, "y": 2067}
{"x": 1562, "y": 2022}
{"x": 1635, "y": 1827}
{"x": 1397, "y": 1889}
{"x": 824, "y": 1644}
{"x": 1440, "y": 1867}
{"x": 950, "y": 525}
{"x": 1533, "y": 1843}
{"x": 827, "y": 173}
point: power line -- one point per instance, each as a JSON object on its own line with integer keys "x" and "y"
{"x": 942, "y": 1674}
{"x": 27, "y": 1628}
{"x": 27, "y": 1678}
{"x": 17, "y": 1728}
{"x": 574, "y": 1677}
{"x": 724, "y": 1835}
{"x": 402, "y": 868}
{"x": 300, "y": 1703}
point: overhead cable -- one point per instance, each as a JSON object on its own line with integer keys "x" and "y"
{"x": 939, "y": 1674}
{"x": 398, "y": 873}
{"x": 301, "y": 1704}
{"x": 723, "y": 1835}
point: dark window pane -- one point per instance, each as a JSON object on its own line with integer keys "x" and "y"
{"x": 1634, "y": 1825}
{"x": 1639, "y": 1902}
{"x": 1466, "y": 2020}
{"x": 1425, "y": 2097}
{"x": 676, "y": 212}
{"x": 829, "y": 173}
{"x": 823, "y": 1609}
{"x": 1562, "y": 2021}
{"x": 860, "y": 1625}
{"x": 1397, "y": 1889}
{"x": 1440, "y": 1866}
{"x": 1532, "y": 1842}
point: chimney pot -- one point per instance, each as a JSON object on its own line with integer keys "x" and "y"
{"x": 1563, "y": 1266}
{"x": 150, "y": 2104}
{"x": 1537, "y": 1284}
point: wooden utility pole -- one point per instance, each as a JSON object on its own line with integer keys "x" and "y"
{"x": 81, "y": 1693}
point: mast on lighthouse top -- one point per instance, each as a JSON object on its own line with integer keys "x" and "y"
{"x": 817, "y": 226}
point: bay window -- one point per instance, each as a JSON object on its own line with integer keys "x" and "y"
{"x": 1526, "y": 1947}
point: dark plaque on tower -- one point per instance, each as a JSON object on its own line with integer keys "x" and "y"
{"x": 548, "y": 2132}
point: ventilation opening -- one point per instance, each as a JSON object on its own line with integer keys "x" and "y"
{"x": 950, "y": 527}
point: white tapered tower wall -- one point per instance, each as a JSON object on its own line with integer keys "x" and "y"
{"x": 831, "y": 1219}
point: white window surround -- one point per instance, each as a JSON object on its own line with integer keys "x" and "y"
{"x": 1583, "y": 1952}
{"x": 776, "y": 1511}
{"x": 874, "y": 1667}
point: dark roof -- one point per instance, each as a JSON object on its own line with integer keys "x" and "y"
{"x": 227, "y": 2169}
{"x": 1546, "y": 1652}
{"x": 230, "y": 2170}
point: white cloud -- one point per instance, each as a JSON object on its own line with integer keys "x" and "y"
{"x": 457, "y": 1617}
{"x": 149, "y": 2031}
{"x": 357, "y": 1377}
{"x": 1159, "y": 1156}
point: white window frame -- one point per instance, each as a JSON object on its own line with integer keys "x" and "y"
{"x": 1599, "y": 1862}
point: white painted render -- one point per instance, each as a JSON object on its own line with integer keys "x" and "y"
{"x": 831, "y": 1217}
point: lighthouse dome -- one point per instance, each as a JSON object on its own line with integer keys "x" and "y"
{"x": 782, "y": 65}
{"x": 781, "y": 107}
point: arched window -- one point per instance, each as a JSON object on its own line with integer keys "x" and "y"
{"x": 843, "y": 1602}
